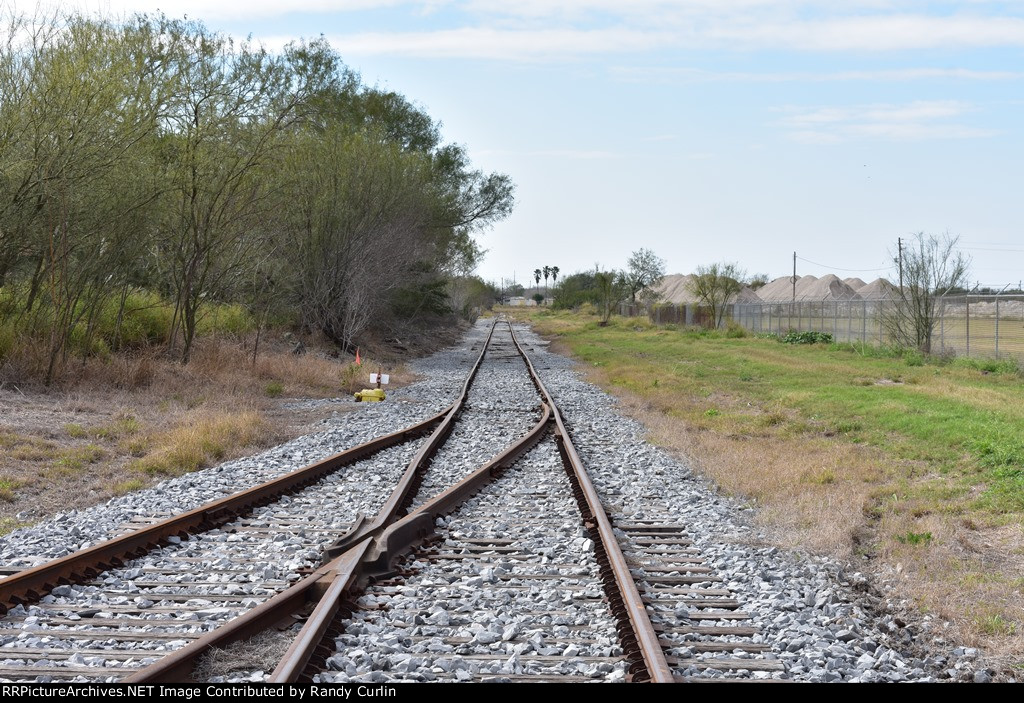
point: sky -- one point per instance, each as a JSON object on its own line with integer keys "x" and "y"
{"x": 703, "y": 130}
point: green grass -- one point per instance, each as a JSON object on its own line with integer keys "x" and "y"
{"x": 9, "y": 524}
{"x": 995, "y": 624}
{"x": 963, "y": 420}
{"x": 77, "y": 458}
{"x": 145, "y": 321}
{"x": 129, "y": 486}
{"x": 7, "y": 488}
{"x": 914, "y": 538}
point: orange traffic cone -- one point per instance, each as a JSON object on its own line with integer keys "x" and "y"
{"x": 358, "y": 361}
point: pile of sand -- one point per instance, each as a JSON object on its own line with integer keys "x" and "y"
{"x": 878, "y": 289}
{"x": 828, "y": 287}
{"x": 778, "y": 291}
{"x": 675, "y": 289}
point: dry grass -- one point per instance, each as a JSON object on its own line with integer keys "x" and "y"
{"x": 811, "y": 492}
{"x": 201, "y": 439}
{"x": 259, "y": 653}
{"x": 115, "y": 425}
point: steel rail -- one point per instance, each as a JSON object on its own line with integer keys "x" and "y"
{"x": 640, "y": 632}
{"x": 640, "y": 639}
{"x": 32, "y": 584}
{"x": 344, "y": 559}
{"x": 373, "y": 552}
{"x": 178, "y": 665}
{"x": 406, "y": 487}
{"x": 396, "y": 540}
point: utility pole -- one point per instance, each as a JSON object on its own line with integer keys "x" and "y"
{"x": 899, "y": 245}
{"x": 793, "y": 279}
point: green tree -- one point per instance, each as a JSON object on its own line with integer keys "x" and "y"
{"x": 612, "y": 287}
{"x": 357, "y": 213}
{"x": 715, "y": 286}
{"x": 75, "y": 191}
{"x": 230, "y": 108}
{"x": 643, "y": 271}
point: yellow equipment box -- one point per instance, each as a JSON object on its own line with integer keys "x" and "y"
{"x": 370, "y": 395}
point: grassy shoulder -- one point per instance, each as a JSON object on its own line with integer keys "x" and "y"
{"x": 913, "y": 466}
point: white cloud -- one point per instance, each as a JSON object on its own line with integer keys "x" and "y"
{"x": 484, "y": 43}
{"x": 877, "y": 33}
{"x": 670, "y": 74}
{"x": 915, "y": 121}
{"x": 584, "y": 154}
{"x": 852, "y": 34}
{"x": 219, "y": 9}
{"x": 522, "y": 30}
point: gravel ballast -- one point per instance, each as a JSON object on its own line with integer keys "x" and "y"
{"x": 823, "y": 620}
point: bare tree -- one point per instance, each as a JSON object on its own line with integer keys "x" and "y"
{"x": 715, "y": 286}
{"x": 931, "y": 266}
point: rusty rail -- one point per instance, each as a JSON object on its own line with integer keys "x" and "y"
{"x": 639, "y": 638}
{"x": 177, "y": 666}
{"x": 371, "y": 550}
{"x": 405, "y": 489}
{"x": 636, "y": 629}
{"x": 345, "y": 564}
{"x": 391, "y": 544}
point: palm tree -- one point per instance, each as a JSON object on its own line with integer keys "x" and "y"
{"x": 554, "y": 275}
{"x": 547, "y": 273}
{"x": 536, "y": 276}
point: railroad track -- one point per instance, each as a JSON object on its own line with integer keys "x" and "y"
{"x": 550, "y": 591}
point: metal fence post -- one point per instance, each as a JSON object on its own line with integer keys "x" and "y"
{"x": 997, "y": 326}
{"x": 967, "y": 305}
{"x": 942, "y": 325}
{"x": 864, "y": 324}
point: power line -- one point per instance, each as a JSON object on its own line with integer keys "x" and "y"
{"x": 836, "y": 268}
{"x": 986, "y": 249}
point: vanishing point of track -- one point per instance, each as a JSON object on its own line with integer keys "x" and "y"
{"x": 581, "y": 595}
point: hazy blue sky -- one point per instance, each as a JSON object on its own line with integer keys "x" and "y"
{"x": 706, "y": 130}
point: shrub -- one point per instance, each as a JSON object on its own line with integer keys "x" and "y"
{"x": 734, "y": 330}
{"x": 809, "y": 337}
{"x": 1001, "y": 366}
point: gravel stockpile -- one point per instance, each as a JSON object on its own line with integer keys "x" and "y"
{"x": 526, "y": 599}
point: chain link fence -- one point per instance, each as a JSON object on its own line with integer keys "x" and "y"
{"x": 983, "y": 326}
{"x": 987, "y": 326}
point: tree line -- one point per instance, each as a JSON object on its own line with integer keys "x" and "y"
{"x": 156, "y": 155}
